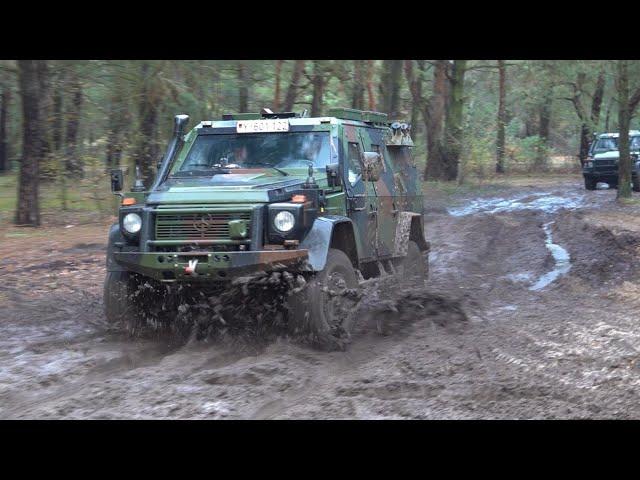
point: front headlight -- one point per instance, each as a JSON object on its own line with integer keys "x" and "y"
{"x": 284, "y": 221}
{"x": 588, "y": 164}
{"x": 132, "y": 223}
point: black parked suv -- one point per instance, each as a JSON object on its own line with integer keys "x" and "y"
{"x": 602, "y": 163}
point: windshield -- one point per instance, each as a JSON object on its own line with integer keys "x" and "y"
{"x": 606, "y": 145}
{"x": 279, "y": 151}
{"x": 609, "y": 144}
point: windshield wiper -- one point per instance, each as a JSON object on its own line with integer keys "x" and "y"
{"x": 200, "y": 173}
{"x": 271, "y": 166}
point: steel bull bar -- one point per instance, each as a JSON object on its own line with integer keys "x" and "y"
{"x": 209, "y": 266}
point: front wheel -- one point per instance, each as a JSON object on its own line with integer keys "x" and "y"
{"x": 323, "y": 309}
{"x": 120, "y": 307}
{"x": 636, "y": 184}
{"x": 590, "y": 183}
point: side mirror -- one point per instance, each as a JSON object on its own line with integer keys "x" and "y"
{"x": 117, "y": 179}
{"x": 333, "y": 175}
{"x": 372, "y": 166}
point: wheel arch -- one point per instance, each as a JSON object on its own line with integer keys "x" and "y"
{"x": 410, "y": 227}
{"x": 330, "y": 232}
{"x": 115, "y": 236}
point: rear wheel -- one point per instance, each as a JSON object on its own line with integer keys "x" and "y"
{"x": 323, "y": 309}
{"x": 590, "y": 183}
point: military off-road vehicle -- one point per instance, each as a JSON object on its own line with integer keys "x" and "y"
{"x": 321, "y": 197}
{"x": 601, "y": 164}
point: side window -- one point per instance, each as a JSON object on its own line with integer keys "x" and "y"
{"x": 355, "y": 169}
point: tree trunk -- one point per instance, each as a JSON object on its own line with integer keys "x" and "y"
{"x": 598, "y": 95}
{"x": 56, "y": 120}
{"x": 606, "y": 120}
{"x": 318, "y": 88}
{"x": 390, "y": 87}
{"x": 588, "y": 126}
{"x": 624, "y": 119}
{"x": 276, "y": 96}
{"x": 453, "y": 121}
{"x": 544, "y": 125}
{"x": 370, "y": 91}
{"x": 243, "y": 88}
{"x": 148, "y": 111}
{"x": 73, "y": 164}
{"x": 292, "y": 91}
{"x": 357, "y": 94}
{"x": 415, "y": 87}
{"x": 502, "y": 120}
{"x": 434, "y": 169}
{"x": 30, "y": 83}
{"x": 44, "y": 91}
{"x": 5, "y": 97}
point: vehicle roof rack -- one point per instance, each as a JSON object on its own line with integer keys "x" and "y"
{"x": 266, "y": 113}
{"x": 271, "y": 114}
{"x": 359, "y": 115}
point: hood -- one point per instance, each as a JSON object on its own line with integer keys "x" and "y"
{"x": 246, "y": 187}
{"x": 612, "y": 155}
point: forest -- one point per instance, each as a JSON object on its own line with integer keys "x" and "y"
{"x": 64, "y": 123}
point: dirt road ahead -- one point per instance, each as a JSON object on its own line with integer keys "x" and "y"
{"x": 546, "y": 277}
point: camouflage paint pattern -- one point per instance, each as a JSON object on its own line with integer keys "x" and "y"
{"x": 385, "y": 213}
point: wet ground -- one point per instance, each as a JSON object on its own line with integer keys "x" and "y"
{"x": 530, "y": 312}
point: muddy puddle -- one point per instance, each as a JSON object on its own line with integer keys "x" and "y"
{"x": 542, "y": 201}
{"x": 561, "y": 258}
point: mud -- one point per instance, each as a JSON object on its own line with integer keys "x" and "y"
{"x": 478, "y": 341}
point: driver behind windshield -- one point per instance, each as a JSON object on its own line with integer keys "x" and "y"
{"x": 290, "y": 150}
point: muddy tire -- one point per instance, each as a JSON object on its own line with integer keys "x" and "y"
{"x": 635, "y": 184}
{"x": 120, "y": 307}
{"x": 323, "y": 309}
{"x": 415, "y": 266}
{"x": 590, "y": 183}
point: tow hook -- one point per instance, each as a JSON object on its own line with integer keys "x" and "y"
{"x": 191, "y": 268}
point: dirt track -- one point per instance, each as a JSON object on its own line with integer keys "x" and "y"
{"x": 569, "y": 349}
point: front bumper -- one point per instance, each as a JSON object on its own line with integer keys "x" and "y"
{"x": 211, "y": 266}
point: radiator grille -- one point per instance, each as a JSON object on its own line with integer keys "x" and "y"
{"x": 197, "y": 226}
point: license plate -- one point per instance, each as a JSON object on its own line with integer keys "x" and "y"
{"x": 258, "y": 126}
